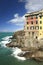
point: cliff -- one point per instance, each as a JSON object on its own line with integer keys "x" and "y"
{"x": 18, "y": 33}
{"x": 34, "y": 47}
{"x": 17, "y": 39}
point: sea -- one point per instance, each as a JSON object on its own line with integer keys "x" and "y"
{"x": 8, "y": 56}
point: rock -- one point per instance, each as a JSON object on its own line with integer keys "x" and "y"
{"x": 13, "y": 44}
{"x": 33, "y": 50}
{"x": 39, "y": 59}
{"x": 38, "y": 55}
{"x": 18, "y": 33}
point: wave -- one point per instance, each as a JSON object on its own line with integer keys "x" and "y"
{"x": 5, "y": 41}
{"x": 6, "y": 38}
{"x": 17, "y": 51}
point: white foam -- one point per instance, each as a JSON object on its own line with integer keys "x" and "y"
{"x": 5, "y": 41}
{"x": 6, "y": 38}
{"x": 15, "y": 53}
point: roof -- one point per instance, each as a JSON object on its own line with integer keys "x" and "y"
{"x": 34, "y": 13}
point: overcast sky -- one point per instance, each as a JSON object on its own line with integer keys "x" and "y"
{"x": 12, "y": 13}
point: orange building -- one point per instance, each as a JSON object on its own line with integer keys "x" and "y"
{"x": 34, "y": 24}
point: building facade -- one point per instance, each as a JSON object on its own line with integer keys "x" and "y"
{"x": 34, "y": 24}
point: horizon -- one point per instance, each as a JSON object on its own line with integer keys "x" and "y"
{"x": 12, "y": 13}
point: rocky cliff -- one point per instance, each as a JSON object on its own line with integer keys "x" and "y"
{"x": 35, "y": 46}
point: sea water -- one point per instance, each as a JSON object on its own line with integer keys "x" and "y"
{"x": 8, "y": 56}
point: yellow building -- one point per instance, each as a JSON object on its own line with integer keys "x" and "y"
{"x": 34, "y": 24}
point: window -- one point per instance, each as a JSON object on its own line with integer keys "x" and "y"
{"x": 40, "y": 22}
{"x": 36, "y": 37}
{"x": 32, "y": 27}
{"x": 31, "y": 17}
{"x": 40, "y": 27}
{"x": 40, "y": 33}
{"x": 36, "y": 27}
{"x": 40, "y": 16}
{"x": 32, "y": 33}
{"x": 31, "y": 22}
{"x": 27, "y": 27}
{"x": 36, "y": 22}
{"x": 29, "y": 33}
{"x": 27, "y": 22}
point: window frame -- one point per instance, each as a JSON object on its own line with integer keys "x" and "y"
{"x": 40, "y": 27}
{"x": 36, "y": 27}
{"x": 27, "y": 23}
{"x": 27, "y": 28}
{"x": 31, "y": 27}
{"x": 40, "y": 17}
{"x": 40, "y": 22}
{"x": 31, "y": 22}
{"x": 36, "y": 22}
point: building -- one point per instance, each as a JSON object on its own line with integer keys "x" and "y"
{"x": 34, "y": 24}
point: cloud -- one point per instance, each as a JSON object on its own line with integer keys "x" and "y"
{"x": 33, "y": 5}
{"x": 16, "y": 15}
{"x": 30, "y": 6}
{"x": 20, "y": 24}
{"x": 17, "y": 19}
{"x": 21, "y": 0}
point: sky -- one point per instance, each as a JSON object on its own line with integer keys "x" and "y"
{"x": 12, "y": 13}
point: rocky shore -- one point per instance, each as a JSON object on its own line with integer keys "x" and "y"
{"x": 34, "y": 49}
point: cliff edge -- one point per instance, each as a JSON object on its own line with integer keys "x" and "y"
{"x": 34, "y": 47}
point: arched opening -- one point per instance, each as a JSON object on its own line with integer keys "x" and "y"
{"x": 36, "y": 37}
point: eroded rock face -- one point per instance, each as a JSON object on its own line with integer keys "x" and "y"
{"x": 34, "y": 48}
{"x": 38, "y": 55}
